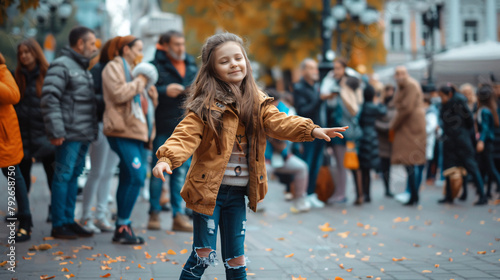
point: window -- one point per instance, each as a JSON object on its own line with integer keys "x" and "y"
{"x": 397, "y": 34}
{"x": 470, "y": 31}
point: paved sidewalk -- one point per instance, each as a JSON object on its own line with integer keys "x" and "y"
{"x": 379, "y": 240}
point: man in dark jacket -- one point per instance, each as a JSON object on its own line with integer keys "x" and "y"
{"x": 69, "y": 113}
{"x": 177, "y": 70}
{"x": 309, "y": 104}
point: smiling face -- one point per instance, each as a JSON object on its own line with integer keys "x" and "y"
{"x": 26, "y": 56}
{"x": 230, "y": 63}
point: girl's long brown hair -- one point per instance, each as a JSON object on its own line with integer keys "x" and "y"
{"x": 486, "y": 98}
{"x": 207, "y": 83}
{"x": 42, "y": 63}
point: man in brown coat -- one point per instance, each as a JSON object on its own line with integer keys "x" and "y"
{"x": 409, "y": 128}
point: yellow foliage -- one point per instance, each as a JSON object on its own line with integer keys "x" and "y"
{"x": 278, "y": 32}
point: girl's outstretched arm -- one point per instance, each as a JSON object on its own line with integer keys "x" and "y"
{"x": 328, "y": 133}
{"x": 182, "y": 143}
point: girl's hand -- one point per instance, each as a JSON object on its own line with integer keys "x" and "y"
{"x": 160, "y": 168}
{"x": 328, "y": 133}
{"x": 480, "y": 146}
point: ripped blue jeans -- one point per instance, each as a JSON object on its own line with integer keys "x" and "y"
{"x": 230, "y": 217}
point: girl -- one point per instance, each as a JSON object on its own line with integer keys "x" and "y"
{"x": 11, "y": 149}
{"x": 30, "y": 72}
{"x": 458, "y": 150}
{"x": 487, "y": 119}
{"x": 226, "y": 123}
{"x": 125, "y": 124}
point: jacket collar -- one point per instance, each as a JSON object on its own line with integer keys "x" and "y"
{"x": 80, "y": 59}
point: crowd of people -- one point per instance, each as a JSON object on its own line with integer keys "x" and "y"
{"x": 107, "y": 105}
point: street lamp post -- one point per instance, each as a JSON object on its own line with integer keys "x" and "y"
{"x": 430, "y": 19}
{"x": 333, "y": 17}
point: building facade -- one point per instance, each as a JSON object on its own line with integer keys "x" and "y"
{"x": 460, "y": 22}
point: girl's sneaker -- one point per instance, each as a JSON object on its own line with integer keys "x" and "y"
{"x": 125, "y": 235}
{"x": 88, "y": 225}
{"x": 104, "y": 225}
{"x": 300, "y": 205}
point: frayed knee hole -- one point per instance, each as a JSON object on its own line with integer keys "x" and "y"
{"x": 236, "y": 262}
{"x": 204, "y": 252}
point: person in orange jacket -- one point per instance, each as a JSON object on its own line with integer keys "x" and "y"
{"x": 11, "y": 154}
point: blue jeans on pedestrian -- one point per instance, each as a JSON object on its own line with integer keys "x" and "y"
{"x": 419, "y": 172}
{"x": 69, "y": 163}
{"x": 132, "y": 174}
{"x": 230, "y": 217}
{"x": 177, "y": 180}
{"x": 313, "y": 156}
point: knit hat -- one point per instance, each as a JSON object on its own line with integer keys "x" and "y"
{"x": 123, "y": 41}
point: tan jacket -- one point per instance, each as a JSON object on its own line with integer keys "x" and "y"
{"x": 193, "y": 137}
{"x": 408, "y": 124}
{"x": 118, "y": 119}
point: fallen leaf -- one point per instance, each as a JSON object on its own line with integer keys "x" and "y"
{"x": 183, "y": 251}
{"x": 41, "y": 247}
{"x": 326, "y": 227}
{"x": 140, "y": 266}
{"x": 450, "y": 259}
{"x": 152, "y": 238}
{"x": 365, "y": 258}
{"x": 63, "y": 263}
{"x": 369, "y": 276}
{"x": 26, "y": 258}
{"x": 58, "y": 253}
{"x": 283, "y": 216}
{"x": 31, "y": 254}
{"x": 382, "y": 270}
{"x": 349, "y": 270}
{"x": 296, "y": 278}
{"x": 436, "y": 265}
{"x": 69, "y": 275}
{"x": 149, "y": 263}
{"x": 426, "y": 271}
{"x": 338, "y": 278}
{"x": 137, "y": 247}
{"x": 64, "y": 269}
{"x": 325, "y": 235}
{"x": 90, "y": 259}
{"x": 350, "y": 256}
{"x": 381, "y": 207}
{"x": 106, "y": 267}
{"x": 344, "y": 212}
{"x": 251, "y": 274}
{"x": 289, "y": 256}
{"x": 341, "y": 265}
{"x": 359, "y": 224}
{"x": 467, "y": 232}
{"x": 171, "y": 252}
{"x": 398, "y": 260}
{"x": 127, "y": 267}
{"x": 281, "y": 239}
{"x": 481, "y": 222}
{"x": 481, "y": 253}
{"x": 344, "y": 234}
{"x": 48, "y": 238}
{"x": 170, "y": 232}
{"x": 269, "y": 249}
{"x": 147, "y": 255}
{"x": 105, "y": 275}
{"x": 46, "y": 277}
{"x": 87, "y": 247}
{"x": 439, "y": 253}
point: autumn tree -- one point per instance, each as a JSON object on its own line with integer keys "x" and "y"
{"x": 280, "y": 32}
{"x": 22, "y": 6}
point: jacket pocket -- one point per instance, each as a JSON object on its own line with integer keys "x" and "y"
{"x": 196, "y": 190}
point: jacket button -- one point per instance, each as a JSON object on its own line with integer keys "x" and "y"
{"x": 261, "y": 177}
{"x": 203, "y": 176}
